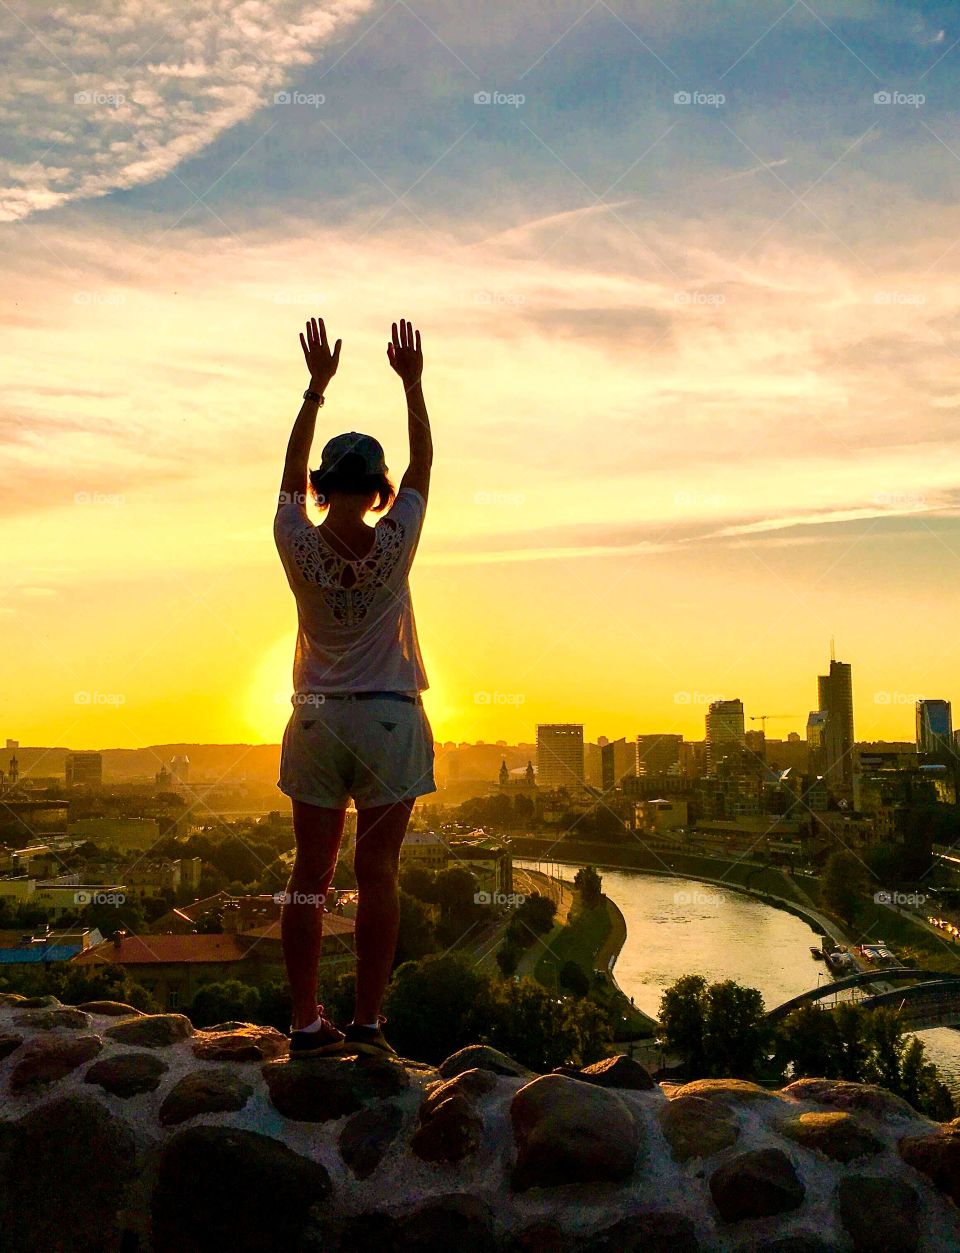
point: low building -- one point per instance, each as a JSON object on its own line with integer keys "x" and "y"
{"x": 152, "y": 880}
{"x": 173, "y": 968}
{"x": 424, "y": 850}
{"x": 655, "y": 817}
{"x": 491, "y": 867}
{"x": 29, "y": 955}
{"x": 17, "y": 889}
{"x": 67, "y": 895}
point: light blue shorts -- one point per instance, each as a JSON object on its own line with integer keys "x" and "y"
{"x": 375, "y": 751}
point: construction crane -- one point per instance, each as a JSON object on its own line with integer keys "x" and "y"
{"x": 763, "y": 719}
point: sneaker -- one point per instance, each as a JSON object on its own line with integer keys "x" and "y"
{"x": 326, "y": 1039}
{"x": 367, "y": 1040}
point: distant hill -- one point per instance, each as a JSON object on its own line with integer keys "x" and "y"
{"x": 229, "y": 762}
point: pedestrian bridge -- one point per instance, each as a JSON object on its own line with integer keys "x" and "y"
{"x": 923, "y": 1005}
{"x": 931, "y": 1000}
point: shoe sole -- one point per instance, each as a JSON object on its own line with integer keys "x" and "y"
{"x": 368, "y": 1050}
{"x": 322, "y": 1050}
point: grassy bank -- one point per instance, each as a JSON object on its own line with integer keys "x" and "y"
{"x": 589, "y": 939}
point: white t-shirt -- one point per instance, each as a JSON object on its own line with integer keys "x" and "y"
{"x": 356, "y": 631}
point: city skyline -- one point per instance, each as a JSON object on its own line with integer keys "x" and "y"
{"x": 694, "y": 415}
{"x": 920, "y": 716}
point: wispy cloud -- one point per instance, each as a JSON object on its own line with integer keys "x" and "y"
{"x": 118, "y": 93}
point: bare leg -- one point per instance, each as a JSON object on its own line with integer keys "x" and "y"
{"x": 380, "y": 832}
{"x": 318, "y": 833}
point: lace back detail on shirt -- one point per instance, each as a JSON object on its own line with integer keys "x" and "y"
{"x": 319, "y": 564}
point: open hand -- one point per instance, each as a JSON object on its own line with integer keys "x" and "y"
{"x": 321, "y": 362}
{"x": 405, "y": 354}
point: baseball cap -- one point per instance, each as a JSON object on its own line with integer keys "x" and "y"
{"x": 370, "y": 450}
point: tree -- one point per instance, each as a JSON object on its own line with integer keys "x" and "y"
{"x": 853, "y": 1048}
{"x": 592, "y": 1031}
{"x": 108, "y": 917}
{"x": 735, "y": 1032}
{"x": 808, "y": 1043}
{"x": 884, "y": 1061}
{"x": 682, "y": 1021}
{"x": 240, "y": 860}
{"x": 531, "y": 918}
{"x": 865, "y": 1046}
{"x": 415, "y": 937}
{"x": 456, "y": 889}
{"x": 508, "y": 957}
{"x": 275, "y": 1006}
{"x": 529, "y": 1024}
{"x": 419, "y": 883}
{"x": 223, "y": 1002}
{"x": 437, "y": 1006}
{"x": 921, "y": 1085}
{"x": 574, "y": 979}
{"x": 588, "y": 884}
{"x": 718, "y": 1030}
{"x": 842, "y": 884}
{"x": 537, "y": 913}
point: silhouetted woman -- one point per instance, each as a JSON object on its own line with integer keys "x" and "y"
{"x": 358, "y": 728}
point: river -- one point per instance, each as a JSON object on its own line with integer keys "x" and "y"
{"x": 682, "y": 926}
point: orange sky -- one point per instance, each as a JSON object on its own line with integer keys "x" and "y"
{"x": 693, "y": 413}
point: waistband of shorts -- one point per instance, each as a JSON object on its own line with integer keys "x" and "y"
{"x": 320, "y": 698}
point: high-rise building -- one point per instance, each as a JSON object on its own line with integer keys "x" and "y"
{"x": 835, "y": 691}
{"x": 725, "y": 733}
{"x": 756, "y": 744}
{"x": 816, "y": 730}
{"x": 84, "y": 769}
{"x": 560, "y": 755}
{"x": 618, "y": 760}
{"x": 592, "y": 765}
{"x": 693, "y": 759}
{"x": 658, "y": 754}
{"x": 934, "y": 727}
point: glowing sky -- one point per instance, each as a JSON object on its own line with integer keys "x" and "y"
{"x": 688, "y": 291}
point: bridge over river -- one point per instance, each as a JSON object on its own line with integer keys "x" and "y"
{"x": 932, "y": 998}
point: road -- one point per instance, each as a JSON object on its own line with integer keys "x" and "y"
{"x": 483, "y": 943}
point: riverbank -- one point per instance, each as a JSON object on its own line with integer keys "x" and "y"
{"x": 664, "y": 943}
{"x": 606, "y": 960}
{"x": 591, "y": 939}
{"x": 720, "y": 872}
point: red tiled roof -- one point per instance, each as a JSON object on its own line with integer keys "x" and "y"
{"x": 196, "y": 909}
{"x": 333, "y": 924}
{"x": 135, "y": 950}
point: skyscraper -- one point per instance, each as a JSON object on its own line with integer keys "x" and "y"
{"x": 725, "y": 734}
{"x": 816, "y": 732}
{"x": 934, "y": 727}
{"x": 560, "y": 755}
{"x": 83, "y": 769}
{"x": 618, "y": 759}
{"x": 658, "y": 754}
{"x": 835, "y": 692}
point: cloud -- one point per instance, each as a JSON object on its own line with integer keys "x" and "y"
{"x": 120, "y": 93}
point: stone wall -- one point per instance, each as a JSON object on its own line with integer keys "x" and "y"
{"x": 128, "y": 1132}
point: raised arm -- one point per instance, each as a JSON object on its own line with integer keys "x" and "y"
{"x": 406, "y": 357}
{"x": 322, "y": 364}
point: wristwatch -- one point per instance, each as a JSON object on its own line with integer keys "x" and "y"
{"x": 312, "y": 395}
